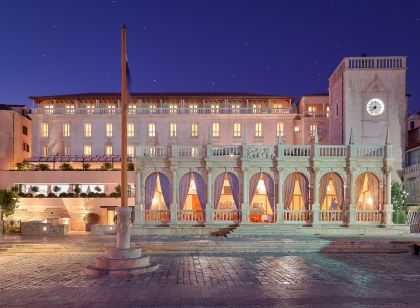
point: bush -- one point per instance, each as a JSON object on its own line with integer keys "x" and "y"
{"x": 28, "y": 195}
{"x": 86, "y": 166}
{"x": 102, "y": 195}
{"x": 43, "y": 167}
{"x": 83, "y": 195}
{"x": 22, "y": 194}
{"x": 114, "y": 195}
{"x": 23, "y": 166}
{"x": 35, "y": 189}
{"x": 70, "y": 195}
{"x": 106, "y": 167}
{"x": 91, "y": 194}
{"x": 66, "y": 167}
{"x": 91, "y": 219}
{"x": 130, "y": 167}
{"x": 77, "y": 189}
{"x": 63, "y": 195}
{"x": 52, "y": 195}
{"x": 400, "y": 216}
{"x": 41, "y": 196}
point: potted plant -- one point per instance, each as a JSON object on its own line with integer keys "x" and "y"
{"x": 91, "y": 219}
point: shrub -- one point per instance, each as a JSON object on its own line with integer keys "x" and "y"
{"x": 70, "y": 195}
{"x": 86, "y": 166}
{"x": 76, "y": 189}
{"x": 400, "y": 216}
{"x": 118, "y": 190}
{"x": 83, "y": 195}
{"x": 130, "y": 167}
{"x": 41, "y": 196}
{"x": 43, "y": 167}
{"x": 22, "y": 194}
{"x": 35, "y": 189}
{"x": 106, "y": 166}
{"x": 66, "y": 167}
{"x": 51, "y": 195}
{"x": 102, "y": 195}
{"x": 28, "y": 195}
{"x": 91, "y": 194}
{"x": 91, "y": 219}
{"x": 8, "y": 202}
{"x": 23, "y": 166}
{"x": 114, "y": 195}
{"x": 63, "y": 195}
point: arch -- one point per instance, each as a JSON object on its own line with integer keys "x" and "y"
{"x": 296, "y": 192}
{"x": 192, "y": 186}
{"x": 231, "y": 199}
{"x": 157, "y": 191}
{"x": 261, "y": 197}
{"x": 367, "y": 191}
{"x": 331, "y": 191}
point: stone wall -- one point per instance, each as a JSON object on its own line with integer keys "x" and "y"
{"x": 39, "y": 228}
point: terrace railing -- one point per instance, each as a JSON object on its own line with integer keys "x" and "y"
{"x": 227, "y": 215}
{"x": 156, "y": 216}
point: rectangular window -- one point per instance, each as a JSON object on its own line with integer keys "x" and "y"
{"x": 256, "y": 108}
{"x": 258, "y": 129}
{"x": 66, "y": 150}
{"x": 49, "y": 109}
{"x": 25, "y": 147}
{"x": 44, "y": 130}
{"x": 152, "y": 109}
{"x": 130, "y": 150}
{"x": 172, "y": 129}
{"x": 108, "y": 150}
{"x": 25, "y": 130}
{"x": 236, "y": 129}
{"x": 87, "y": 128}
{"x": 111, "y": 109}
{"x": 327, "y": 111}
{"x": 130, "y": 129}
{"x": 45, "y": 150}
{"x": 173, "y": 109}
{"x": 70, "y": 109}
{"x": 108, "y": 130}
{"x": 280, "y": 129}
{"x": 312, "y": 128}
{"x": 296, "y": 129}
{"x": 214, "y": 108}
{"x": 193, "y": 108}
{"x": 151, "y": 129}
{"x": 311, "y": 108}
{"x": 215, "y": 128}
{"x": 132, "y": 109}
{"x": 194, "y": 129}
{"x": 89, "y": 109}
{"x": 66, "y": 130}
{"x": 87, "y": 149}
{"x": 236, "y": 108}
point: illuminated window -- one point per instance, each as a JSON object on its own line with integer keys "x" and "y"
{"x": 214, "y": 108}
{"x": 258, "y": 129}
{"x": 87, "y": 149}
{"x": 173, "y": 109}
{"x": 194, "y": 152}
{"x": 194, "y": 129}
{"x": 215, "y": 129}
{"x": 172, "y": 129}
{"x": 152, "y": 108}
{"x": 70, "y": 109}
{"x": 236, "y": 108}
{"x": 256, "y": 108}
{"x": 296, "y": 129}
{"x": 312, "y": 128}
{"x": 66, "y": 130}
{"x": 151, "y": 129}
{"x": 108, "y": 150}
{"x": 49, "y": 109}
{"x": 108, "y": 129}
{"x": 111, "y": 109}
{"x": 278, "y": 106}
{"x": 66, "y": 150}
{"x": 130, "y": 129}
{"x": 44, "y": 130}
{"x": 280, "y": 129}
{"x": 130, "y": 150}
{"x": 312, "y": 109}
{"x": 132, "y": 109}
{"x": 90, "y": 108}
{"x": 193, "y": 108}
{"x": 328, "y": 111}
{"x": 87, "y": 128}
{"x": 236, "y": 129}
{"x": 45, "y": 150}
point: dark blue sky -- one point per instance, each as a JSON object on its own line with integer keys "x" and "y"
{"x": 286, "y": 47}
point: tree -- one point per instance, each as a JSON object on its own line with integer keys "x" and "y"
{"x": 23, "y": 166}
{"x": 86, "y": 166}
{"x": 56, "y": 189}
{"x": 8, "y": 202}
{"x": 398, "y": 196}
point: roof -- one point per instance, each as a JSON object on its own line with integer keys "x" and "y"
{"x": 115, "y": 95}
{"x": 10, "y": 107}
{"x": 76, "y": 158}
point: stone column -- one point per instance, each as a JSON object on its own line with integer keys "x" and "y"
{"x": 352, "y": 205}
{"x": 139, "y": 198}
{"x": 245, "y": 196}
{"x": 280, "y": 205}
{"x": 209, "y": 205}
{"x": 388, "y": 208}
{"x": 174, "y": 199}
{"x": 315, "y": 201}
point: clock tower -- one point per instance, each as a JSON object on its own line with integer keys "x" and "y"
{"x": 368, "y": 96}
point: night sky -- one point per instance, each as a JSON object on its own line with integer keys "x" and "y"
{"x": 284, "y": 47}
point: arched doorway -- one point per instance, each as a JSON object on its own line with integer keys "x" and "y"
{"x": 331, "y": 197}
{"x": 367, "y": 197}
{"x": 226, "y": 197}
{"x": 296, "y": 197}
{"x": 192, "y": 197}
{"x": 261, "y": 196}
{"x": 157, "y": 197}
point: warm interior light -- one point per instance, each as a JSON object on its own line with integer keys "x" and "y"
{"x": 328, "y": 188}
{"x": 193, "y": 188}
{"x": 154, "y": 200}
{"x": 261, "y": 187}
{"x": 369, "y": 201}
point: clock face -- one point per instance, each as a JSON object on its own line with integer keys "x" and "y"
{"x": 375, "y": 107}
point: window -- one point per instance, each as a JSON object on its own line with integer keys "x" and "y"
{"x": 151, "y": 130}
{"x": 312, "y": 128}
{"x": 108, "y": 129}
{"x": 215, "y": 128}
{"x": 49, "y": 109}
{"x": 214, "y": 108}
{"x": 130, "y": 150}
{"x": 193, "y": 108}
{"x": 236, "y": 108}
{"x": 411, "y": 125}
{"x": 172, "y": 129}
{"x": 296, "y": 129}
{"x": 89, "y": 109}
{"x": 44, "y": 130}
{"x": 132, "y": 109}
{"x": 258, "y": 129}
{"x": 25, "y": 130}
{"x": 256, "y": 108}
{"x": 280, "y": 129}
{"x": 88, "y": 130}
{"x": 130, "y": 129}
{"x": 336, "y": 110}
{"x": 194, "y": 152}
{"x": 173, "y": 109}
{"x": 45, "y": 150}
{"x": 236, "y": 129}
{"x": 25, "y": 147}
{"x": 311, "y": 109}
{"x": 87, "y": 149}
{"x": 70, "y": 109}
{"x": 66, "y": 150}
{"x": 327, "y": 111}
{"x": 108, "y": 150}
{"x": 152, "y": 109}
{"x": 194, "y": 129}
{"x": 111, "y": 109}
{"x": 66, "y": 130}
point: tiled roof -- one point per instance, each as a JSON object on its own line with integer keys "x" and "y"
{"x": 76, "y": 158}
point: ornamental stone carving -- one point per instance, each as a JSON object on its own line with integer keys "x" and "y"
{"x": 257, "y": 152}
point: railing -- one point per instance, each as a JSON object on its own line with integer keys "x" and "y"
{"x": 224, "y": 150}
{"x": 164, "y": 111}
{"x": 368, "y": 151}
{"x": 152, "y": 151}
{"x": 412, "y": 169}
{"x": 187, "y": 151}
{"x": 315, "y": 114}
{"x": 156, "y": 215}
{"x": 297, "y": 216}
{"x": 258, "y": 151}
{"x": 332, "y": 150}
{"x": 366, "y": 216}
{"x": 190, "y": 216}
{"x": 331, "y": 216}
{"x": 375, "y": 62}
{"x": 227, "y": 215}
{"x": 294, "y": 150}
